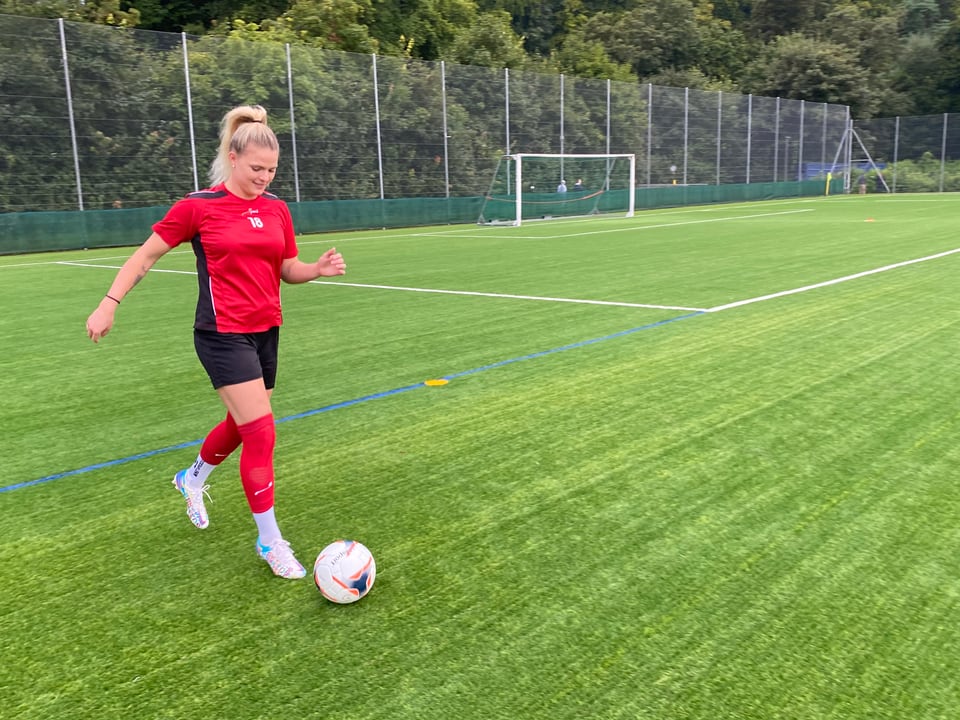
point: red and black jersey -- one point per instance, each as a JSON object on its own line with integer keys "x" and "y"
{"x": 240, "y": 246}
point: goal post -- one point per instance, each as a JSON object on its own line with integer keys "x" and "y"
{"x": 546, "y": 186}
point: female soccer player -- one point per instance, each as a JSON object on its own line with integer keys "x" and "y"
{"x": 244, "y": 241}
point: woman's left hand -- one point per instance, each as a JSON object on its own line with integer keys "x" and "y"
{"x": 331, "y": 263}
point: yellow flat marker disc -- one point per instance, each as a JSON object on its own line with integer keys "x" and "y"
{"x": 435, "y": 382}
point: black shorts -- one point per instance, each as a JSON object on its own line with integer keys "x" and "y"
{"x": 231, "y": 358}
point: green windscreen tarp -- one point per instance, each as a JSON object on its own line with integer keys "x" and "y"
{"x": 29, "y": 232}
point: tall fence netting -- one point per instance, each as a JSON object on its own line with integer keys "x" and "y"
{"x": 100, "y": 119}
{"x": 144, "y": 108}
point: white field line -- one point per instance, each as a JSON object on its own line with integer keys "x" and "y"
{"x": 632, "y": 228}
{"x": 835, "y": 281}
{"x": 510, "y": 297}
{"x": 716, "y": 308}
{"x": 84, "y": 262}
{"x": 117, "y": 267}
{"x": 432, "y": 290}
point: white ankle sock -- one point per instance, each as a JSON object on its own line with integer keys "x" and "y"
{"x": 267, "y": 525}
{"x": 198, "y": 473}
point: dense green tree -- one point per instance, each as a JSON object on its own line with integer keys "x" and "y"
{"x": 538, "y": 22}
{"x": 916, "y": 76}
{"x": 802, "y": 68}
{"x": 873, "y": 35}
{"x": 588, "y": 58}
{"x": 197, "y": 17}
{"x": 875, "y": 38}
{"x": 692, "y": 78}
{"x": 949, "y": 82}
{"x": 420, "y": 28}
{"x": 174, "y": 15}
{"x": 102, "y": 12}
{"x": 920, "y": 16}
{"x": 722, "y": 49}
{"x": 735, "y": 12}
{"x": 334, "y": 24}
{"x": 928, "y": 72}
{"x": 488, "y": 41}
{"x": 653, "y": 36}
{"x": 773, "y": 18}
{"x": 879, "y": 56}
{"x": 659, "y": 36}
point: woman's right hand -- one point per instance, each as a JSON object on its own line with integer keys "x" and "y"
{"x": 132, "y": 272}
{"x": 101, "y": 319}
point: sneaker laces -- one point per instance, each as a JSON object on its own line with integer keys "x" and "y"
{"x": 282, "y": 551}
{"x": 196, "y": 507}
{"x": 197, "y": 494}
{"x": 281, "y": 559}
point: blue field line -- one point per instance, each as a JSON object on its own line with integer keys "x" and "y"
{"x": 572, "y": 346}
{"x": 100, "y": 466}
{"x": 348, "y": 403}
{"x": 355, "y": 401}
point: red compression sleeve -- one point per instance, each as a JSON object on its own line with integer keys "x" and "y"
{"x": 220, "y": 442}
{"x": 256, "y": 462}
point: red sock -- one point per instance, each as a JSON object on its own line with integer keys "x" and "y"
{"x": 220, "y": 442}
{"x": 256, "y": 462}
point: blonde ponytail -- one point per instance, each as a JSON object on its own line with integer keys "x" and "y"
{"x": 240, "y": 127}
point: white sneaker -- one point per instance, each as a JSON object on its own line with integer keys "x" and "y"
{"x": 196, "y": 510}
{"x": 280, "y": 558}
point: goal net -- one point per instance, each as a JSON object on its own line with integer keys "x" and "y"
{"x": 528, "y": 186}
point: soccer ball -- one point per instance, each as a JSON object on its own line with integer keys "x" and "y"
{"x": 344, "y": 571}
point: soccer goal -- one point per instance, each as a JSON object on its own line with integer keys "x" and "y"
{"x": 533, "y": 186}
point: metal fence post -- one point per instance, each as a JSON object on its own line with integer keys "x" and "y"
{"x": 943, "y": 152}
{"x": 506, "y": 103}
{"x": 608, "y": 116}
{"x": 776, "y": 143}
{"x": 749, "y": 133}
{"x": 73, "y": 129}
{"x": 803, "y": 107}
{"x": 686, "y": 131}
{"x": 561, "y": 125}
{"x": 376, "y": 105}
{"x": 293, "y": 126}
{"x": 446, "y": 132}
{"x": 896, "y": 153}
{"x": 719, "y": 130}
{"x": 848, "y": 179}
{"x": 823, "y": 140}
{"x": 649, "y": 129}
{"x": 193, "y": 140}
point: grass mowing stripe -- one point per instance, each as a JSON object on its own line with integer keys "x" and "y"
{"x": 347, "y": 403}
{"x": 632, "y": 228}
{"x": 747, "y": 518}
{"x": 826, "y": 283}
{"x": 583, "y": 343}
{"x": 99, "y": 466}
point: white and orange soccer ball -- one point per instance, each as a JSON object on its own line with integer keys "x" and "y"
{"x": 344, "y": 571}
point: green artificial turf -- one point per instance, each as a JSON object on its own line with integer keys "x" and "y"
{"x": 610, "y": 511}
